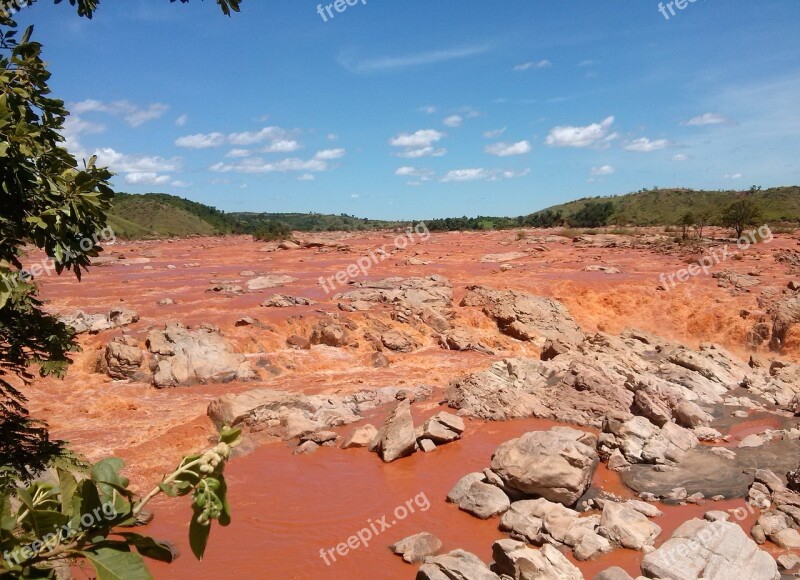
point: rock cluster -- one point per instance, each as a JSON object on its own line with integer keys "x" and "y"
{"x": 292, "y": 415}
{"x": 82, "y": 323}
{"x": 398, "y": 438}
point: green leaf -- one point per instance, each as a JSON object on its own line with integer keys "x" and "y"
{"x": 151, "y": 548}
{"x": 198, "y": 536}
{"x": 114, "y": 564}
{"x": 45, "y": 521}
{"x": 69, "y": 486}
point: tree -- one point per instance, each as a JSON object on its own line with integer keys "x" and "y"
{"x": 687, "y": 220}
{"x": 592, "y": 215}
{"x": 50, "y": 201}
{"x": 740, "y": 215}
{"x": 703, "y": 219}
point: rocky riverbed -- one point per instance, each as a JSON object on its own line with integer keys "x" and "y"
{"x": 559, "y": 410}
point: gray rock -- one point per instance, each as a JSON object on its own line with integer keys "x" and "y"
{"x": 443, "y": 428}
{"x": 396, "y": 438}
{"x": 360, "y": 436}
{"x": 417, "y": 547}
{"x": 123, "y": 357}
{"x": 710, "y": 550}
{"x": 484, "y": 501}
{"x": 427, "y": 445}
{"x": 551, "y": 464}
{"x": 462, "y": 486}
{"x": 515, "y": 560}
{"x": 269, "y": 281}
{"x": 613, "y": 573}
{"x": 456, "y": 565}
{"x": 627, "y": 527}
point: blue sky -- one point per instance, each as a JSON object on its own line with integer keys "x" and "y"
{"x": 420, "y": 108}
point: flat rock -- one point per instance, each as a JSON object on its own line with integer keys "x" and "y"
{"x": 417, "y": 547}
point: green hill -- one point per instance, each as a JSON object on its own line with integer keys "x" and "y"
{"x": 161, "y": 215}
{"x": 666, "y": 206}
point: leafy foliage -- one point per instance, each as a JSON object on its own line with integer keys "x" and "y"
{"x": 592, "y": 215}
{"x": 86, "y": 8}
{"x": 89, "y": 514}
{"x": 272, "y": 231}
{"x": 740, "y": 215}
{"x": 48, "y": 201}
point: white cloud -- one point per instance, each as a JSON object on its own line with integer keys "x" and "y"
{"x": 333, "y": 137}
{"x": 147, "y": 179}
{"x": 733, "y": 176}
{"x": 306, "y": 177}
{"x": 407, "y": 171}
{"x": 251, "y": 138}
{"x": 74, "y": 128}
{"x": 466, "y": 175}
{"x": 122, "y": 163}
{"x": 422, "y": 138}
{"x": 133, "y": 114}
{"x": 235, "y": 153}
{"x": 182, "y": 120}
{"x": 282, "y": 146}
{"x": 258, "y": 165}
{"x": 454, "y": 121}
{"x": 422, "y": 152}
{"x": 201, "y": 141}
{"x": 706, "y": 119}
{"x": 428, "y": 109}
{"x": 420, "y": 59}
{"x": 482, "y": 174}
{"x": 506, "y": 149}
{"x": 571, "y": 136}
{"x": 645, "y": 145}
{"x": 495, "y": 133}
{"x": 419, "y": 144}
{"x": 328, "y": 154}
{"x": 680, "y": 157}
{"x": 602, "y": 170}
{"x": 533, "y": 65}
{"x": 179, "y": 183}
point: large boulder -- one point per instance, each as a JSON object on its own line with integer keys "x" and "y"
{"x": 442, "y": 428}
{"x": 456, "y": 565}
{"x": 517, "y": 561}
{"x": 556, "y": 464}
{"x": 185, "y": 357}
{"x": 417, "y": 547}
{"x": 710, "y": 550}
{"x": 626, "y": 527}
{"x": 484, "y": 501}
{"x": 396, "y": 438}
{"x": 123, "y": 357}
{"x": 524, "y": 316}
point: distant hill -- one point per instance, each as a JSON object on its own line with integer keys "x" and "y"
{"x": 136, "y": 216}
{"x": 153, "y": 215}
{"x": 666, "y": 206}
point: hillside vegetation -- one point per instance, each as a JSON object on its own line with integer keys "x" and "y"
{"x": 161, "y": 215}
